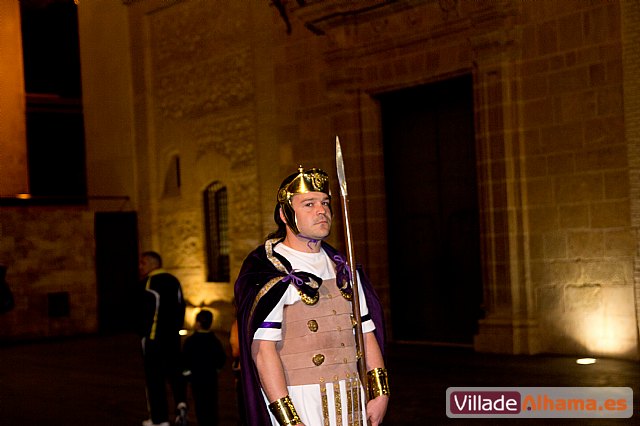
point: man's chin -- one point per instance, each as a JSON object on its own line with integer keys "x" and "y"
{"x": 316, "y": 236}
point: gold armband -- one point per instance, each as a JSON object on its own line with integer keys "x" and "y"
{"x": 378, "y": 382}
{"x": 284, "y": 412}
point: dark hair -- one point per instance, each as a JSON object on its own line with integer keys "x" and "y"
{"x": 153, "y": 255}
{"x": 281, "y": 232}
{"x": 205, "y": 318}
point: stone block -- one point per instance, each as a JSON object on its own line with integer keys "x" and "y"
{"x": 536, "y": 246}
{"x": 539, "y": 191}
{"x": 619, "y": 243}
{"x": 595, "y": 26}
{"x": 536, "y": 166}
{"x": 586, "y": 298}
{"x": 579, "y": 188}
{"x": 563, "y": 163}
{"x": 585, "y": 244}
{"x": 564, "y": 137}
{"x": 576, "y": 106}
{"x": 614, "y": 72}
{"x": 619, "y": 302}
{"x": 604, "y": 130}
{"x": 605, "y": 272}
{"x": 602, "y": 158}
{"x": 545, "y": 273}
{"x": 535, "y": 86}
{"x": 573, "y": 216}
{"x": 570, "y": 31}
{"x": 555, "y": 245}
{"x": 616, "y": 184}
{"x": 610, "y": 214}
{"x": 547, "y": 37}
{"x": 543, "y": 219}
{"x": 537, "y": 112}
{"x": 549, "y": 303}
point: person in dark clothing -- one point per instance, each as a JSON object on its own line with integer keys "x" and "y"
{"x": 163, "y": 309}
{"x": 203, "y": 356}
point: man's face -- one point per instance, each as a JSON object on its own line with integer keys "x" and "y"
{"x": 313, "y": 214}
{"x": 146, "y": 265}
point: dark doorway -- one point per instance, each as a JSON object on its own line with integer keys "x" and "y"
{"x": 117, "y": 270}
{"x": 431, "y": 187}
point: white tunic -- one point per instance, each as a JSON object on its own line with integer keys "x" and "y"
{"x": 307, "y": 398}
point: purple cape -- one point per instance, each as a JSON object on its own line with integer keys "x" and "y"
{"x": 254, "y": 306}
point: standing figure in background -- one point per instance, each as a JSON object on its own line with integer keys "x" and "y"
{"x": 297, "y": 343}
{"x": 203, "y": 356}
{"x": 162, "y": 312}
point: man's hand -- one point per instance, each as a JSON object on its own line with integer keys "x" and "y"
{"x": 376, "y": 409}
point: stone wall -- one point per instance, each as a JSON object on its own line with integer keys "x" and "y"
{"x": 197, "y": 75}
{"x": 223, "y": 87}
{"x": 631, "y": 100}
{"x": 49, "y": 254}
{"x": 580, "y": 241}
{"x": 558, "y": 245}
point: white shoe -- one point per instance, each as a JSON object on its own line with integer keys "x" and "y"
{"x": 148, "y": 422}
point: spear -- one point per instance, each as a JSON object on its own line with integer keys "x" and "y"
{"x": 355, "y": 303}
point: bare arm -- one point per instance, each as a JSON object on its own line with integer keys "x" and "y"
{"x": 377, "y": 407}
{"x": 372, "y": 351}
{"x": 269, "y": 369}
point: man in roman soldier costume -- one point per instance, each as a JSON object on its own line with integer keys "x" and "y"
{"x": 295, "y": 322}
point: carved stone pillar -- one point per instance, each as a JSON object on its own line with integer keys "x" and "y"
{"x": 631, "y": 84}
{"x": 510, "y": 324}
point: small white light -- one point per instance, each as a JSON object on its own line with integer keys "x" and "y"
{"x": 183, "y": 332}
{"x": 585, "y": 361}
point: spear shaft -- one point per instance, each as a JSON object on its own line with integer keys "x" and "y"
{"x": 355, "y": 303}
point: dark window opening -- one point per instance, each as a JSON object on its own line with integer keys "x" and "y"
{"x": 51, "y": 50}
{"x": 58, "y": 304}
{"x": 217, "y": 229}
{"x": 54, "y": 116}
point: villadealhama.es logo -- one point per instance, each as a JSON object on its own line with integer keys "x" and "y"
{"x": 559, "y": 402}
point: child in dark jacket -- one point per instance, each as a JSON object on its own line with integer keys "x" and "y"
{"x": 204, "y": 355}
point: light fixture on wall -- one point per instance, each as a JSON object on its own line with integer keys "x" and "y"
{"x": 586, "y": 361}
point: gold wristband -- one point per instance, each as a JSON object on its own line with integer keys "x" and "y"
{"x": 378, "y": 382}
{"x": 284, "y": 412}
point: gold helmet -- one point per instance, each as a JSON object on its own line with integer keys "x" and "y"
{"x": 310, "y": 180}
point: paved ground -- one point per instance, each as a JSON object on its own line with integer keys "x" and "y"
{"x": 97, "y": 381}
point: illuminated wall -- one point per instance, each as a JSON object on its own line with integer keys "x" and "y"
{"x": 239, "y": 100}
{"x": 13, "y": 145}
{"x": 557, "y": 238}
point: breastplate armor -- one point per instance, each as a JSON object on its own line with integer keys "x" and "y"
{"x": 318, "y": 343}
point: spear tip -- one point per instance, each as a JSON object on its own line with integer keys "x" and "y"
{"x": 340, "y": 168}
